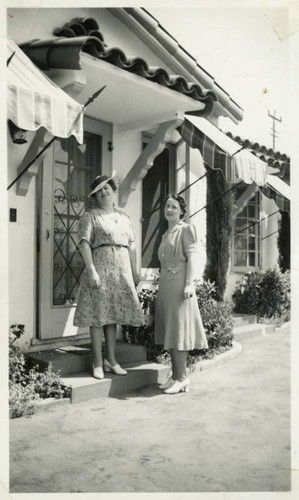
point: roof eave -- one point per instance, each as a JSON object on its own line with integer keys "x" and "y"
{"x": 169, "y": 50}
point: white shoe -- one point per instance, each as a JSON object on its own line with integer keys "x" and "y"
{"x": 98, "y": 372}
{"x": 178, "y": 386}
{"x": 167, "y": 384}
{"x": 118, "y": 370}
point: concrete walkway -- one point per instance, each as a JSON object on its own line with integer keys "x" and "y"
{"x": 230, "y": 433}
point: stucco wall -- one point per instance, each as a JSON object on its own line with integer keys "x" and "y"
{"x": 127, "y": 149}
{"x": 197, "y": 202}
{"x": 269, "y": 249}
{"x": 22, "y": 249}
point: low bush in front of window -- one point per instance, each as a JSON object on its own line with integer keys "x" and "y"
{"x": 216, "y": 317}
{"x": 246, "y": 296}
{"x": 266, "y": 294}
{"x": 28, "y": 384}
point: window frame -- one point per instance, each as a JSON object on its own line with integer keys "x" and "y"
{"x": 258, "y": 232}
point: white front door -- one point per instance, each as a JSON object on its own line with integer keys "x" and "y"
{"x": 67, "y": 172}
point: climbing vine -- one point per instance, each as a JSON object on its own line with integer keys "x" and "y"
{"x": 283, "y": 242}
{"x": 219, "y": 230}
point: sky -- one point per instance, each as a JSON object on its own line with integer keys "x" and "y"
{"x": 247, "y": 51}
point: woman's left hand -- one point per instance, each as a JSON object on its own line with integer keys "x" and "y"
{"x": 189, "y": 291}
{"x": 136, "y": 279}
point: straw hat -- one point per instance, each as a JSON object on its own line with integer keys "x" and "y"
{"x": 100, "y": 181}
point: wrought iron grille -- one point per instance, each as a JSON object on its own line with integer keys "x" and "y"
{"x": 74, "y": 167}
{"x": 67, "y": 261}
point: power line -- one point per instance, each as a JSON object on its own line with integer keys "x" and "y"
{"x": 274, "y": 132}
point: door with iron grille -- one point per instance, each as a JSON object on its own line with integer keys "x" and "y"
{"x": 67, "y": 173}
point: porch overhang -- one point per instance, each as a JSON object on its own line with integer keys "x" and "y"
{"x": 34, "y": 101}
{"x": 221, "y": 152}
{"x": 130, "y": 102}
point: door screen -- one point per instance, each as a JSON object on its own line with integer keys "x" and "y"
{"x": 74, "y": 170}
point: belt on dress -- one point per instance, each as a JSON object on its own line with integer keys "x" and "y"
{"x": 110, "y": 245}
{"x": 181, "y": 266}
{"x": 174, "y": 269}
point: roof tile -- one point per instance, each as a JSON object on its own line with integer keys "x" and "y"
{"x": 83, "y": 35}
{"x": 273, "y": 158}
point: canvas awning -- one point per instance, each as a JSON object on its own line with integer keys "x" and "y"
{"x": 221, "y": 152}
{"x": 279, "y": 191}
{"x": 34, "y": 101}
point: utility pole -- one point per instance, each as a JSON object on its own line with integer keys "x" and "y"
{"x": 273, "y": 132}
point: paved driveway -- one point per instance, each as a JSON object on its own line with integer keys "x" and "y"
{"x": 231, "y": 432}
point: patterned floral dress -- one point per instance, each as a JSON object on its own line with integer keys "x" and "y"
{"x": 116, "y": 300}
{"x": 178, "y": 323}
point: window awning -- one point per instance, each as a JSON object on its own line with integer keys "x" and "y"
{"x": 34, "y": 101}
{"x": 279, "y": 191}
{"x": 221, "y": 152}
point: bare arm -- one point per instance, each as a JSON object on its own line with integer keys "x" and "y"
{"x": 88, "y": 261}
{"x": 133, "y": 260}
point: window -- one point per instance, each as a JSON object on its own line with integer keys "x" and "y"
{"x": 246, "y": 239}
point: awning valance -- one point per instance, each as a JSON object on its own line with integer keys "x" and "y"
{"x": 34, "y": 101}
{"x": 221, "y": 152}
{"x": 279, "y": 191}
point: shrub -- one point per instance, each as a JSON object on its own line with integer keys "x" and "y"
{"x": 246, "y": 296}
{"x": 22, "y": 399}
{"x": 265, "y": 294}
{"x": 145, "y": 334}
{"x": 275, "y": 295}
{"x": 28, "y": 384}
{"x": 216, "y": 317}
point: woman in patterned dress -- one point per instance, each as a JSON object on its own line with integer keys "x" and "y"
{"x": 107, "y": 295}
{"x": 178, "y": 324}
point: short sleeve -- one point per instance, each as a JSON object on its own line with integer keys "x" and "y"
{"x": 189, "y": 239}
{"x": 85, "y": 230}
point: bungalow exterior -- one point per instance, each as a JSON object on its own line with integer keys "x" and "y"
{"x": 152, "y": 90}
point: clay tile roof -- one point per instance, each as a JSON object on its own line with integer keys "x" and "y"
{"x": 274, "y": 159}
{"x": 83, "y": 35}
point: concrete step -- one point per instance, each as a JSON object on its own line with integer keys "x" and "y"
{"x": 282, "y": 329}
{"x": 262, "y": 329}
{"x": 70, "y": 359}
{"x": 85, "y": 386}
{"x": 247, "y": 328}
{"x": 243, "y": 319}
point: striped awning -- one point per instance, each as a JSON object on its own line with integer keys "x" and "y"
{"x": 221, "y": 152}
{"x": 279, "y": 191}
{"x": 34, "y": 101}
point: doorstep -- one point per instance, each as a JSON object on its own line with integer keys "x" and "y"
{"x": 84, "y": 386}
{"x": 72, "y": 359}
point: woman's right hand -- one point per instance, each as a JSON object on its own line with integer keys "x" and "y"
{"x": 94, "y": 279}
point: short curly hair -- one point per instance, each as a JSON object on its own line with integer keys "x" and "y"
{"x": 181, "y": 201}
